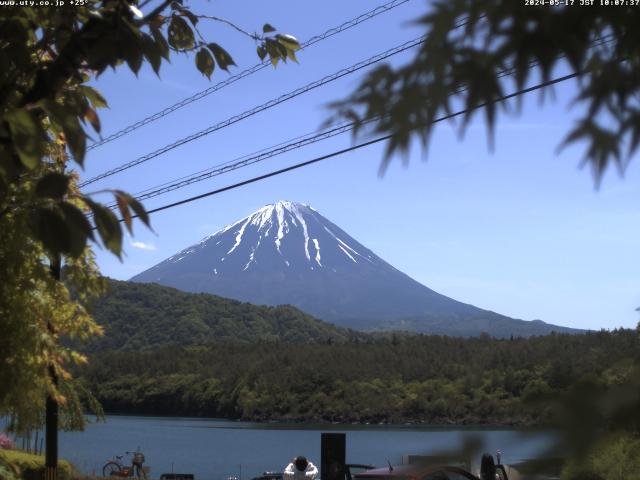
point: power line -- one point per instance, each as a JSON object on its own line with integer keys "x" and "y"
{"x": 249, "y": 71}
{"x": 363, "y": 64}
{"x": 244, "y": 158}
{"x": 289, "y": 145}
{"x": 245, "y": 161}
{"x": 271, "y": 103}
{"x": 520, "y": 92}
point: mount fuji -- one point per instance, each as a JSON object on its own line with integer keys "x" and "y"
{"x": 287, "y": 253}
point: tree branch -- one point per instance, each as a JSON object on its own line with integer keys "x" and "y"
{"x": 156, "y": 11}
{"x": 253, "y": 36}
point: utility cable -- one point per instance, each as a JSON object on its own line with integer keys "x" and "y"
{"x": 520, "y": 92}
{"x": 363, "y": 64}
{"x": 245, "y": 73}
{"x": 289, "y": 145}
{"x": 245, "y": 161}
{"x": 271, "y": 103}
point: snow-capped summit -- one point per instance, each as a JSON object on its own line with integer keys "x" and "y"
{"x": 284, "y": 234}
{"x": 287, "y": 253}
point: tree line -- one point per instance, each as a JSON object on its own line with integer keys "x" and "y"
{"x": 391, "y": 379}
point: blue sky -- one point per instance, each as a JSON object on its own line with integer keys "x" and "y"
{"x": 521, "y": 230}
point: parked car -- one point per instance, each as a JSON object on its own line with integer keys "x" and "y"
{"x": 442, "y": 472}
{"x": 269, "y": 476}
{"x": 354, "y": 468}
{"x": 350, "y": 470}
{"x": 416, "y": 472}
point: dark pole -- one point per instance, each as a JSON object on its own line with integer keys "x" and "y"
{"x": 51, "y": 420}
{"x": 333, "y": 454}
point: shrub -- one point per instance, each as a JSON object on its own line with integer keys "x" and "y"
{"x": 615, "y": 458}
{"x": 31, "y": 467}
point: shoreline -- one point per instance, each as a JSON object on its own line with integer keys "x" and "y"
{"x": 284, "y": 424}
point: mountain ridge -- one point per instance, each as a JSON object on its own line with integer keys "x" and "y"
{"x": 288, "y": 253}
{"x": 140, "y": 316}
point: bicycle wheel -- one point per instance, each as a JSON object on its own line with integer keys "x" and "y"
{"x": 110, "y": 468}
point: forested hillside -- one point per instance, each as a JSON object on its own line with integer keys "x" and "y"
{"x": 138, "y": 316}
{"x": 420, "y": 379}
{"x": 316, "y": 266}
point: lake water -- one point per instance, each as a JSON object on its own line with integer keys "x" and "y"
{"x": 216, "y": 449}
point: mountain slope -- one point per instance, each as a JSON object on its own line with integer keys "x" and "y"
{"x": 287, "y": 253}
{"x": 137, "y": 315}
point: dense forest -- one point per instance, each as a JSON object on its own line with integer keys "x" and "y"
{"x": 143, "y": 315}
{"x": 429, "y": 379}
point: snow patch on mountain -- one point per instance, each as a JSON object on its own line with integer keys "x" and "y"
{"x": 288, "y": 253}
{"x": 239, "y": 236}
{"x": 291, "y": 222}
{"x": 317, "y": 245}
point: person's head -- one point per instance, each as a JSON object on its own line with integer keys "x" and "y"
{"x": 301, "y": 463}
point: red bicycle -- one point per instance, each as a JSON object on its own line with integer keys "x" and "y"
{"x": 116, "y": 468}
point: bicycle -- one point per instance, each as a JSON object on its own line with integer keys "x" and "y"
{"x": 114, "y": 467}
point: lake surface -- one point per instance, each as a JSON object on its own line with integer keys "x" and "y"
{"x": 216, "y": 449}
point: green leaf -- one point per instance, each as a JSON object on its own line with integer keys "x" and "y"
{"x": 133, "y": 56}
{"x": 105, "y": 53}
{"x": 108, "y": 227}
{"x": 290, "y": 44}
{"x": 161, "y": 42}
{"x": 10, "y": 164}
{"x": 275, "y": 51}
{"x": 187, "y": 13}
{"x": 28, "y": 137}
{"x": 123, "y": 206}
{"x": 152, "y": 52}
{"x": 79, "y": 228}
{"x": 289, "y": 41}
{"x": 223, "y": 59}
{"x": 268, "y": 28}
{"x": 4, "y": 186}
{"x": 282, "y": 50}
{"x": 204, "y": 62}
{"x": 292, "y": 56}
{"x": 52, "y": 185}
{"x": 92, "y": 117}
{"x": 136, "y": 206}
{"x": 93, "y": 96}
{"x": 65, "y": 117}
{"x": 49, "y": 226}
{"x": 140, "y": 212}
{"x": 262, "y": 52}
{"x": 181, "y": 35}
{"x": 76, "y": 139}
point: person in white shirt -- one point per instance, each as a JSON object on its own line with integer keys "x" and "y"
{"x": 300, "y": 469}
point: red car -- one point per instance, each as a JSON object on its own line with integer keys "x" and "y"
{"x": 489, "y": 470}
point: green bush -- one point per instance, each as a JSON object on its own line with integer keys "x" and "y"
{"x": 614, "y": 458}
{"x": 26, "y": 466}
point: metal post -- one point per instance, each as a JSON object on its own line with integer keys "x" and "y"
{"x": 51, "y": 414}
{"x": 333, "y": 456}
